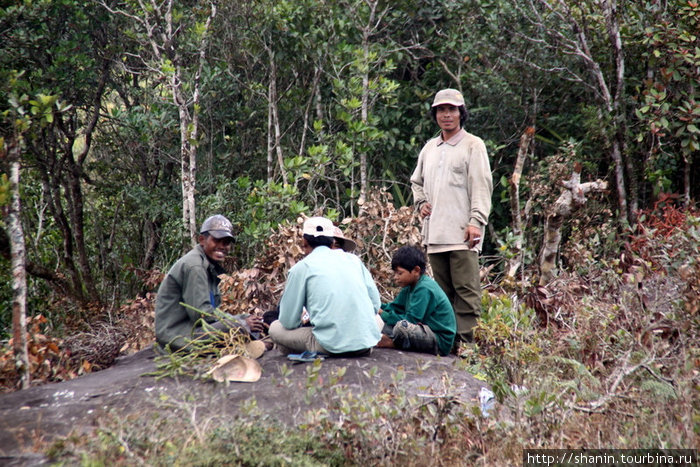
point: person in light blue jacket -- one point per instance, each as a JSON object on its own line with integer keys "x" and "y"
{"x": 338, "y": 293}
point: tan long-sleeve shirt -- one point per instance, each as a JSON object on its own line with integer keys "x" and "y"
{"x": 455, "y": 178}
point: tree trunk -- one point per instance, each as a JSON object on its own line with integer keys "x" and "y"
{"x": 307, "y": 111}
{"x": 19, "y": 274}
{"x": 567, "y": 203}
{"x": 616, "y": 156}
{"x": 273, "y": 122}
{"x": 612, "y": 25}
{"x": 188, "y": 173}
{"x": 188, "y": 154}
{"x": 686, "y": 180}
{"x": 514, "y": 187}
{"x": 366, "y": 31}
{"x": 270, "y": 143}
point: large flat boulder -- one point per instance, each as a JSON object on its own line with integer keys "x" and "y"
{"x": 31, "y": 418}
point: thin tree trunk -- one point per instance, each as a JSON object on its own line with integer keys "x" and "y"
{"x": 270, "y": 143}
{"x": 612, "y": 25}
{"x": 275, "y": 121}
{"x": 619, "y": 179}
{"x": 188, "y": 173}
{"x": 19, "y": 274}
{"x": 307, "y": 111}
{"x": 150, "y": 233}
{"x": 75, "y": 211}
{"x": 686, "y": 180}
{"x": 365, "y": 97}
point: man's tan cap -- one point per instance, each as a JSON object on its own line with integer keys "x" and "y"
{"x": 448, "y": 96}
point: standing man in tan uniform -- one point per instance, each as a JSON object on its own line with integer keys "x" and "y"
{"x": 452, "y": 189}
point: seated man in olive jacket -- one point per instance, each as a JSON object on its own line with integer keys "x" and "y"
{"x": 194, "y": 280}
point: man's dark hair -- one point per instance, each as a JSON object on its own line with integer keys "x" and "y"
{"x": 462, "y": 115}
{"x": 408, "y": 257}
{"x": 318, "y": 241}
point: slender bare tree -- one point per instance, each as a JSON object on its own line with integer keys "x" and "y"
{"x": 568, "y": 28}
{"x": 19, "y": 272}
{"x": 571, "y": 199}
{"x": 176, "y": 58}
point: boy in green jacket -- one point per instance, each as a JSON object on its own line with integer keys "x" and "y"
{"x": 421, "y": 317}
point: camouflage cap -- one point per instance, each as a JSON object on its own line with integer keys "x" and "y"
{"x": 217, "y": 226}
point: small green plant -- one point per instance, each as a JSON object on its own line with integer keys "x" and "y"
{"x": 342, "y": 428}
{"x": 506, "y": 334}
{"x": 196, "y": 356}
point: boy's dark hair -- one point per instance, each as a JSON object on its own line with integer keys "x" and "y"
{"x": 462, "y": 115}
{"x": 318, "y": 241}
{"x": 408, "y": 257}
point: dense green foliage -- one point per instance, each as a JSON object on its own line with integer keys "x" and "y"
{"x": 302, "y": 99}
{"x": 304, "y": 104}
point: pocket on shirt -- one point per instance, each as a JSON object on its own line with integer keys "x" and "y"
{"x": 457, "y": 175}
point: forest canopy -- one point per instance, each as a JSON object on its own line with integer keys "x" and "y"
{"x": 130, "y": 122}
{"x": 125, "y": 123}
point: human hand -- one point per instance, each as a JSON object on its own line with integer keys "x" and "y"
{"x": 426, "y": 209}
{"x": 385, "y": 342}
{"x": 472, "y": 236}
{"x": 255, "y": 323}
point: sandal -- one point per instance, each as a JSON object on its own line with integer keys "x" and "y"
{"x": 306, "y": 356}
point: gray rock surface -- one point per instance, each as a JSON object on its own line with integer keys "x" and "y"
{"x": 32, "y": 418}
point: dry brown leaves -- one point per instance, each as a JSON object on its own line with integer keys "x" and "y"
{"x": 47, "y": 360}
{"x": 136, "y": 319}
{"x": 378, "y": 230}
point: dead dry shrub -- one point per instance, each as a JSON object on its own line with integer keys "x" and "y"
{"x": 378, "y": 230}
{"x": 49, "y": 361}
{"x": 618, "y": 331}
{"x": 136, "y": 320}
{"x": 130, "y": 329}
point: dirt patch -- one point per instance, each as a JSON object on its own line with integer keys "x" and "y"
{"x": 31, "y": 418}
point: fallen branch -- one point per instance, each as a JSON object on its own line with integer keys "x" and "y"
{"x": 597, "y": 405}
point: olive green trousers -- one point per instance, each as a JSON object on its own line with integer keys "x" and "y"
{"x": 457, "y": 273}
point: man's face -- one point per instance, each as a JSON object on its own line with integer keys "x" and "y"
{"x": 447, "y": 117}
{"x": 215, "y": 248}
